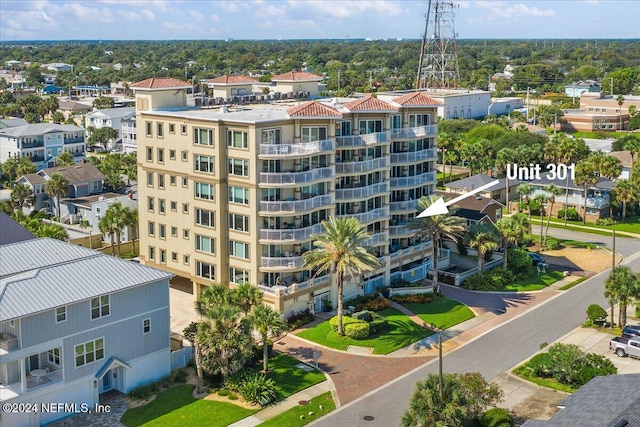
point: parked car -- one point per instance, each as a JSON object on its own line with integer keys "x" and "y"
{"x": 536, "y": 258}
{"x": 631, "y": 331}
{"x": 624, "y": 347}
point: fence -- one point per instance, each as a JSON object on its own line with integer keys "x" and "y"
{"x": 180, "y": 358}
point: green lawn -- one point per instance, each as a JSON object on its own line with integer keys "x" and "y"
{"x": 535, "y": 282}
{"x": 176, "y": 406}
{"x": 572, "y": 284}
{"x": 288, "y": 378}
{"x": 523, "y": 373}
{"x": 402, "y": 332}
{"x": 442, "y": 312}
{"x": 292, "y": 417}
{"x": 630, "y": 224}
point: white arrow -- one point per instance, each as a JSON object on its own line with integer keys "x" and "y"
{"x": 439, "y": 207}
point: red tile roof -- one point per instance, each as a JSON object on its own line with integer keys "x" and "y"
{"x": 416, "y": 99}
{"x": 369, "y": 103}
{"x": 160, "y": 83}
{"x": 296, "y": 76}
{"x": 313, "y": 109}
{"x": 232, "y": 79}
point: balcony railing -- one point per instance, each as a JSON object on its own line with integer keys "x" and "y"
{"x": 362, "y": 140}
{"x": 293, "y": 286}
{"x": 378, "y": 239}
{"x": 78, "y": 154}
{"x": 399, "y": 231}
{"x": 297, "y": 205}
{"x": 410, "y": 205}
{"x": 372, "y": 215}
{"x": 284, "y": 262}
{"x": 291, "y": 234}
{"x": 301, "y": 149}
{"x": 35, "y": 144}
{"x": 417, "y": 248}
{"x": 592, "y": 201}
{"x": 414, "y": 156}
{"x": 415, "y": 132}
{"x": 364, "y": 166}
{"x": 8, "y": 343}
{"x": 410, "y": 181}
{"x": 362, "y": 192}
{"x": 74, "y": 140}
{"x": 295, "y": 178}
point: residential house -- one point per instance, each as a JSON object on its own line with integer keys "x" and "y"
{"x": 8, "y": 123}
{"x": 84, "y": 179}
{"x": 129, "y": 136}
{"x": 625, "y": 161}
{"x": 605, "y": 401}
{"x": 57, "y": 66}
{"x": 235, "y": 194}
{"x": 498, "y": 192}
{"x": 576, "y": 89}
{"x": 475, "y": 209}
{"x": 42, "y": 143}
{"x": 73, "y": 108}
{"x": 11, "y": 231}
{"x": 598, "y": 199}
{"x": 74, "y": 324}
{"x": 109, "y": 117}
{"x": 91, "y": 208}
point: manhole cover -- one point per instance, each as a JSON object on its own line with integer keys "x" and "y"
{"x": 303, "y": 403}
{"x": 368, "y": 418}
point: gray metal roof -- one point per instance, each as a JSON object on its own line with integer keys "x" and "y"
{"x": 478, "y": 180}
{"x": 112, "y": 113}
{"x": 601, "y": 402}
{"x": 35, "y": 129}
{"x": 11, "y": 231}
{"x": 42, "y": 274}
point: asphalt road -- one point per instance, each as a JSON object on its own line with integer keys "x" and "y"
{"x": 494, "y": 352}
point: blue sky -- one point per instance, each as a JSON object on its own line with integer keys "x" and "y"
{"x": 300, "y": 19}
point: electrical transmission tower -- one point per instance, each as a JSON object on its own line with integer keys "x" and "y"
{"x": 438, "y": 66}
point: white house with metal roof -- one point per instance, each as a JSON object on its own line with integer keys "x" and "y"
{"x": 75, "y": 323}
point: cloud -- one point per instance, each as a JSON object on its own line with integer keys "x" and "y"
{"x": 198, "y": 16}
{"x": 346, "y": 8}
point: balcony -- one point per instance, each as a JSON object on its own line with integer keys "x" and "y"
{"x": 400, "y": 231}
{"x": 281, "y": 263}
{"x": 33, "y": 144}
{"x": 78, "y": 154}
{"x": 414, "y": 156}
{"x": 301, "y": 149}
{"x": 290, "y": 234}
{"x": 410, "y": 205}
{"x": 362, "y": 167}
{"x": 413, "y": 181}
{"x": 418, "y": 248}
{"x": 74, "y": 140}
{"x": 292, "y": 285}
{"x": 8, "y": 343}
{"x": 378, "y": 239}
{"x": 415, "y": 132}
{"x": 372, "y": 215}
{"x": 363, "y": 140}
{"x": 362, "y": 192}
{"x": 295, "y": 178}
{"x": 293, "y": 206}
{"x": 597, "y": 202}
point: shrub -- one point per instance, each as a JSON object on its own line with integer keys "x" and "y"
{"x": 369, "y": 303}
{"x": 179, "y": 376}
{"x": 492, "y": 280}
{"x": 300, "y": 318}
{"x": 400, "y": 283}
{"x": 496, "y": 417}
{"x": 234, "y": 381}
{"x": 572, "y": 214}
{"x": 605, "y": 221}
{"x": 378, "y": 326}
{"x": 357, "y": 331}
{"x": 553, "y": 244}
{"x": 224, "y": 392}
{"x": 345, "y": 321}
{"x": 518, "y": 260}
{"x": 257, "y": 388}
{"x": 595, "y": 313}
{"x": 367, "y": 316}
{"x": 143, "y": 392}
{"x": 413, "y": 298}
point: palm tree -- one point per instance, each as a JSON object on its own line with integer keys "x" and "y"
{"x": 22, "y": 196}
{"x": 621, "y": 287}
{"x": 212, "y": 296}
{"x": 117, "y": 216}
{"x": 247, "y": 297}
{"x": 620, "y": 100}
{"x": 626, "y": 192}
{"x": 445, "y": 143}
{"x": 553, "y": 191}
{"x": 586, "y": 176}
{"x": 511, "y": 234}
{"x": 52, "y": 231}
{"x": 633, "y": 147}
{"x": 436, "y": 228}
{"x": 266, "y": 321}
{"x": 106, "y": 226}
{"x": 57, "y": 186}
{"x": 342, "y": 251}
{"x": 427, "y": 408}
{"x": 484, "y": 238}
{"x": 65, "y": 159}
{"x": 131, "y": 219}
{"x": 525, "y": 191}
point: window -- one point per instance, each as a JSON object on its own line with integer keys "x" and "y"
{"x": 239, "y": 195}
{"x": 149, "y": 128}
{"x": 185, "y": 233}
{"x": 174, "y": 256}
{"x": 160, "y": 180}
{"x": 202, "y": 136}
{"x": 237, "y": 139}
{"x": 172, "y": 128}
{"x": 160, "y": 130}
{"x": 161, "y": 205}
{"x": 238, "y": 222}
{"x": 271, "y": 136}
{"x": 99, "y": 307}
{"x": 239, "y": 249}
{"x": 163, "y": 256}
{"x": 150, "y": 203}
{"x": 205, "y": 270}
{"x": 89, "y": 352}
{"x": 396, "y": 121}
{"x": 172, "y": 154}
{"x": 205, "y": 191}
{"x": 149, "y": 179}
{"x": 162, "y": 231}
{"x": 152, "y": 228}
{"x": 172, "y": 180}
{"x": 149, "y": 154}
{"x": 185, "y": 259}
{"x": 205, "y": 244}
{"x": 185, "y": 181}
{"x": 313, "y": 133}
{"x": 205, "y": 218}
{"x": 184, "y": 155}
{"x": 370, "y": 126}
{"x": 238, "y": 275}
{"x": 183, "y": 129}
{"x": 61, "y": 314}
{"x": 146, "y": 326}
{"x": 152, "y": 253}
{"x": 174, "y": 231}
{"x": 238, "y": 167}
{"x": 53, "y": 356}
{"x": 203, "y": 164}
{"x": 160, "y": 155}
{"x": 174, "y": 206}
{"x": 416, "y": 120}
{"x": 185, "y": 208}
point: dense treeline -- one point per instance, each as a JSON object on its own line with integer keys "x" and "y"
{"x": 348, "y": 65}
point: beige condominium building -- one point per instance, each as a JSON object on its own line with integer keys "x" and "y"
{"x": 234, "y": 194}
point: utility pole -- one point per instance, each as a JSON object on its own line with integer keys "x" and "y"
{"x": 613, "y": 254}
{"x": 527, "y": 104}
{"x": 566, "y": 201}
{"x": 611, "y": 86}
{"x": 440, "y": 375}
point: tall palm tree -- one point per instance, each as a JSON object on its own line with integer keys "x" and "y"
{"x": 342, "y": 251}
{"x": 427, "y": 408}
{"x": 266, "y": 321}
{"x": 65, "y": 159}
{"x": 436, "y": 228}
{"x": 106, "y": 225}
{"x": 523, "y": 225}
{"x": 511, "y": 234}
{"x": 484, "y": 238}
{"x": 626, "y": 192}
{"x": 117, "y": 216}
{"x": 131, "y": 220}
{"x": 621, "y": 287}
{"x": 541, "y": 199}
{"x": 633, "y": 147}
{"x": 214, "y": 295}
{"x": 586, "y": 176}
{"x": 552, "y": 191}
{"x": 57, "y": 186}
{"x": 526, "y": 190}
{"x": 610, "y": 167}
{"x": 22, "y": 196}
